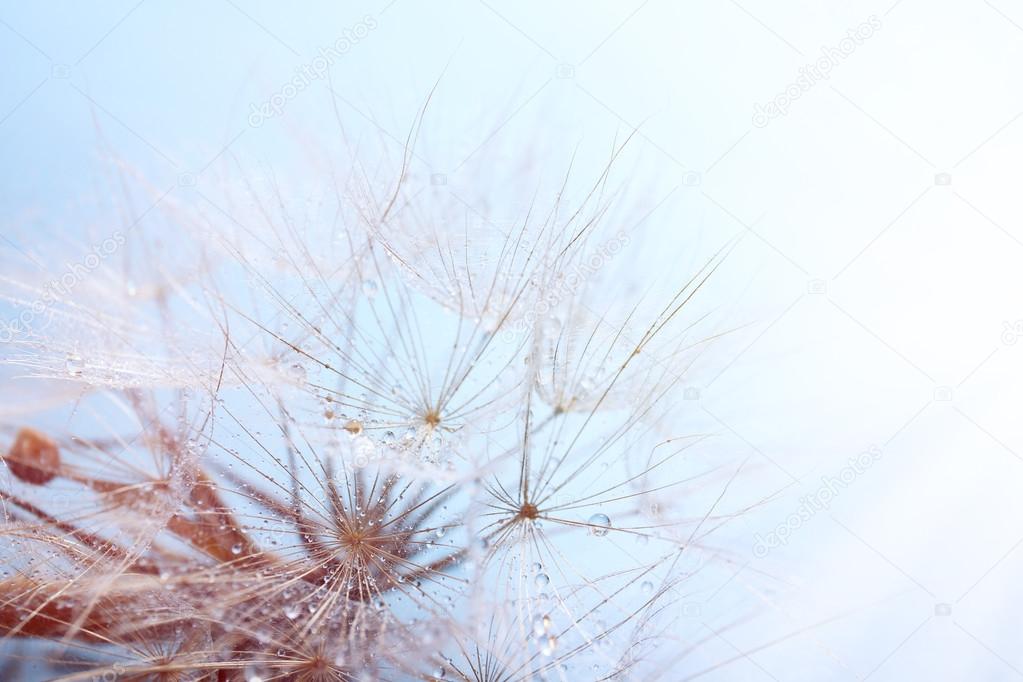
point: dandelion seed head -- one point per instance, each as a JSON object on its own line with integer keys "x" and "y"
{"x": 371, "y": 436}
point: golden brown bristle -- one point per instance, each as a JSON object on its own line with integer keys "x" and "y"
{"x": 528, "y": 511}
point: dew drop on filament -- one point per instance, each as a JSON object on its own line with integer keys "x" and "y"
{"x": 74, "y": 364}
{"x": 297, "y": 372}
{"x": 599, "y": 525}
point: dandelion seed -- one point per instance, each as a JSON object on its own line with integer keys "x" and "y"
{"x": 33, "y": 457}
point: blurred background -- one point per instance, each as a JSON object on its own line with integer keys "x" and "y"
{"x": 866, "y": 156}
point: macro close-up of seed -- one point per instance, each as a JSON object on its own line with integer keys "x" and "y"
{"x": 503, "y": 342}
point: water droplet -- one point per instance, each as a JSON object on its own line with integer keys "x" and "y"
{"x": 74, "y": 364}
{"x": 647, "y": 587}
{"x": 541, "y": 625}
{"x": 549, "y": 645}
{"x": 236, "y": 548}
{"x": 541, "y": 580}
{"x": 599, "y": 525}
{"x": 255, "y": 674}
{"x": 297, "y": 372}
{"x": 291, "y": 611}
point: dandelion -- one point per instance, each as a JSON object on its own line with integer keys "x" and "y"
{"x": 381, "y": 446}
